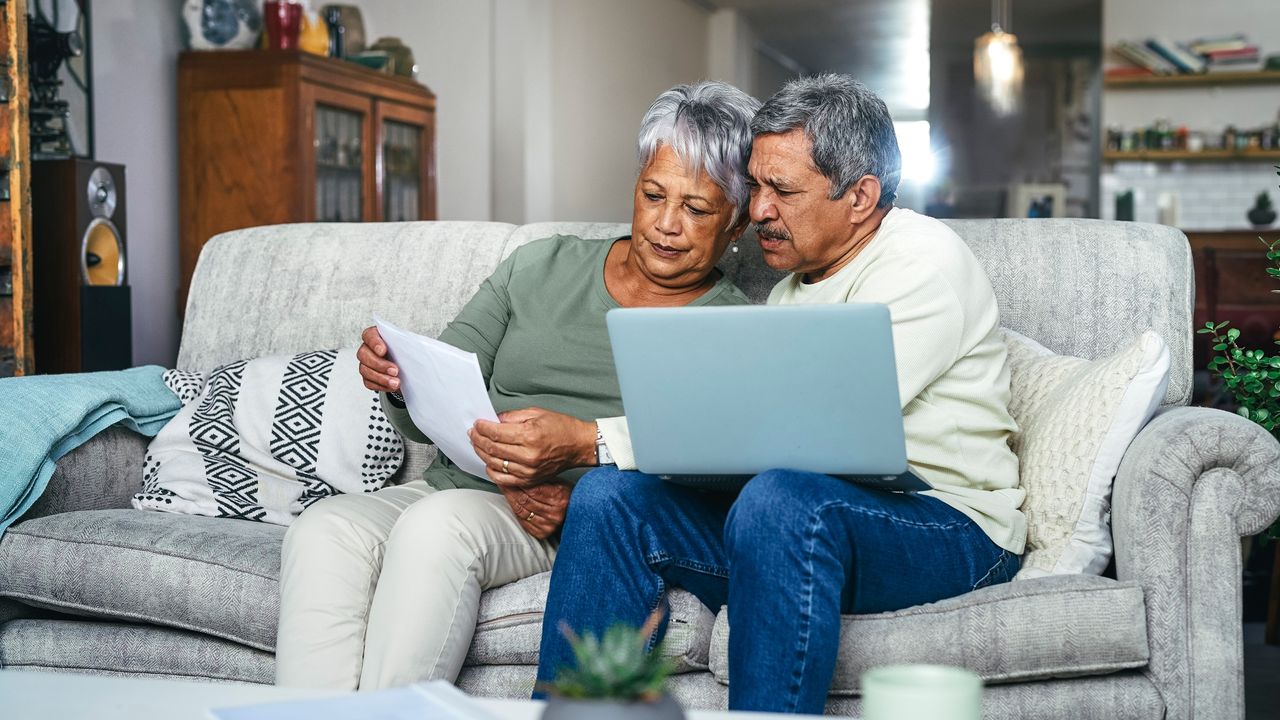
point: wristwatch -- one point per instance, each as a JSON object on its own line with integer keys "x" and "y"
{"x": 602, "y": 450}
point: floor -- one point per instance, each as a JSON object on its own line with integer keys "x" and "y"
{"x": 1261, "y": 675}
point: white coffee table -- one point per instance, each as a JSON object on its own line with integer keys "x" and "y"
{"x": 30, "y": 695}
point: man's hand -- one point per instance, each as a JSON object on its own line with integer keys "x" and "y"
{"x": 532, "y": 446}
{"x": 539, "y": 509}
{"x": 379, "y": 373}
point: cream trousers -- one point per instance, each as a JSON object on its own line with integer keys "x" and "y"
{"x": 383, "y": 589}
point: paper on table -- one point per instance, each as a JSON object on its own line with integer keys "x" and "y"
{"x": 443, "y": 390}
{"x": 437, "y": 700}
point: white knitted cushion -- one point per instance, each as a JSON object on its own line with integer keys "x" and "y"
{"x": 1075, "y": 420}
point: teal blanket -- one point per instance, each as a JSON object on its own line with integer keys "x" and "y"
{"x": 44, "y": 417}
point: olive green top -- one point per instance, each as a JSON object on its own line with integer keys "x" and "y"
{"x": 537, "y": 327}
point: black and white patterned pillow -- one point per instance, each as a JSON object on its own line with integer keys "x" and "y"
{"x": 264, "y": 439}
{"x": 186, "y": 384}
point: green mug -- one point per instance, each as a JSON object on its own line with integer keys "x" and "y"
{"x": 921, "y": 692}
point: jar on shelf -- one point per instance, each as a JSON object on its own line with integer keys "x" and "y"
{"x": 1114, "y": 139}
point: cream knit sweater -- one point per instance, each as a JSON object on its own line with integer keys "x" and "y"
{"x": 953, "y": 375}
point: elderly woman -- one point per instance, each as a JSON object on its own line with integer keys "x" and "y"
{"x": 383, "y": 589}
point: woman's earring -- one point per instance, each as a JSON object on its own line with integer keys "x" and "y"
{"x": 734, "y": 248}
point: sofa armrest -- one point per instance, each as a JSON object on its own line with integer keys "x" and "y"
{"x": 101, "y": 474}
{"x": 1192, "y": 483}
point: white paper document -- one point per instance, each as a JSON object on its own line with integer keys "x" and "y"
{"x": 443, "y": 389}
{"x": 437, "y": 700}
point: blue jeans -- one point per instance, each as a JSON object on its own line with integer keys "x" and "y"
{"x": 789, "y": 554}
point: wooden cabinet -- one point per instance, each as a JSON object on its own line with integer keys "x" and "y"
{"x": 274, "y": 136}
{"x": 1232, "y": 284}
{"x": 17, "y": 355}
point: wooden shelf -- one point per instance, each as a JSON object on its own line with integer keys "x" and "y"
{"x": 1256, "y": 77}
{"x": 1189, "y": 156}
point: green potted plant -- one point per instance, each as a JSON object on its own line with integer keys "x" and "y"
{"x": 615, "y": 678}
{"x": 1251, "y": 376}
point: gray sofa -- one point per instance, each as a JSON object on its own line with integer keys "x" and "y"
{"x": 87, "y": 584}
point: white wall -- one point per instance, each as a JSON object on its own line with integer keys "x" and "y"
{"x": 1211, "y": 196}
{"x": 523, "y": 112}
{"x": 609, "y": 60}
{"x": 135, "y": 56}
{"x": 452, "y": 41}
{"x": 731, "y": 51}
{"x": 771, "y": 73}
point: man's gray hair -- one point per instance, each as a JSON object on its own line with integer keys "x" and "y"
{"x": 708, "y": 125}
{"x": 848, "y": 125}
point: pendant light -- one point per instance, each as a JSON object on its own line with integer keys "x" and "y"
{"x": 997, "y": 62}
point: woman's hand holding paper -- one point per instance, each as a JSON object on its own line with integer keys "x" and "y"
{"x": 532, "y": 446}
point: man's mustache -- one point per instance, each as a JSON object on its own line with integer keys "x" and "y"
{"x": 771, "y": 232}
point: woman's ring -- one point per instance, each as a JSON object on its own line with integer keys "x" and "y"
{"x": 504, "y": 465}
{"x": 531, "y": 516}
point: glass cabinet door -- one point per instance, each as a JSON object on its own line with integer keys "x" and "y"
{"x": 401, "y": 171}
{"x": 405, "y": 162}
{"x": 339, "y": 158}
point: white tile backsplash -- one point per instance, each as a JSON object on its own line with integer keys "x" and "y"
{"x": 1209, "y": 196}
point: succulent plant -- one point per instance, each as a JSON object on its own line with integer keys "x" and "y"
{"x": 614, "y": 666}
{"x": 1263, "y": 202}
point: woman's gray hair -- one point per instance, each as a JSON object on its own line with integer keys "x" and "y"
{"x": 848, "y": 125}
{"x": 708, "y": 125}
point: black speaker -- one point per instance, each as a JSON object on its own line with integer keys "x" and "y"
{"x": 81, "y": 295}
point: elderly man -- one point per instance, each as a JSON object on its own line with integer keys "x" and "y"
{"x": 794, "y": 550}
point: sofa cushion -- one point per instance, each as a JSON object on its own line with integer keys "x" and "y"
{"x": 280, "y": 289}
{"x": 1085, "y": 288}
{"x": 266, "y": 438}
{"x": 1068, "y": 476}
{"x": 509, "y": 631}
{"x": 1058, "y": 626}
{"x": 220, "y": 577}
{"x": 112, "y": 648}
{"x": 210, "y": 575}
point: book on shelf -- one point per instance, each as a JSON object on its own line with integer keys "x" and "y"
{"x": 1127, "y": 71}
{"x": 1142, "y": 57}
{"x": 1247, "y": 53}
{"x": 1204, "y": 46}
{"x": 1254, "y": 65}
{"x": 1181, "y": 58}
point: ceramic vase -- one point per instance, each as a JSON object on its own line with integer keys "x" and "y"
{"x": 401, "y": 57}
{"x": 314, "y": 37}
{"x": 221, "y": 24}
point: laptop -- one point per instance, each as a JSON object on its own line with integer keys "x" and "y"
{"x": 716, "y": 395}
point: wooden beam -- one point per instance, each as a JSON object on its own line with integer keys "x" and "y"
{"x": 19, "y": 215}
